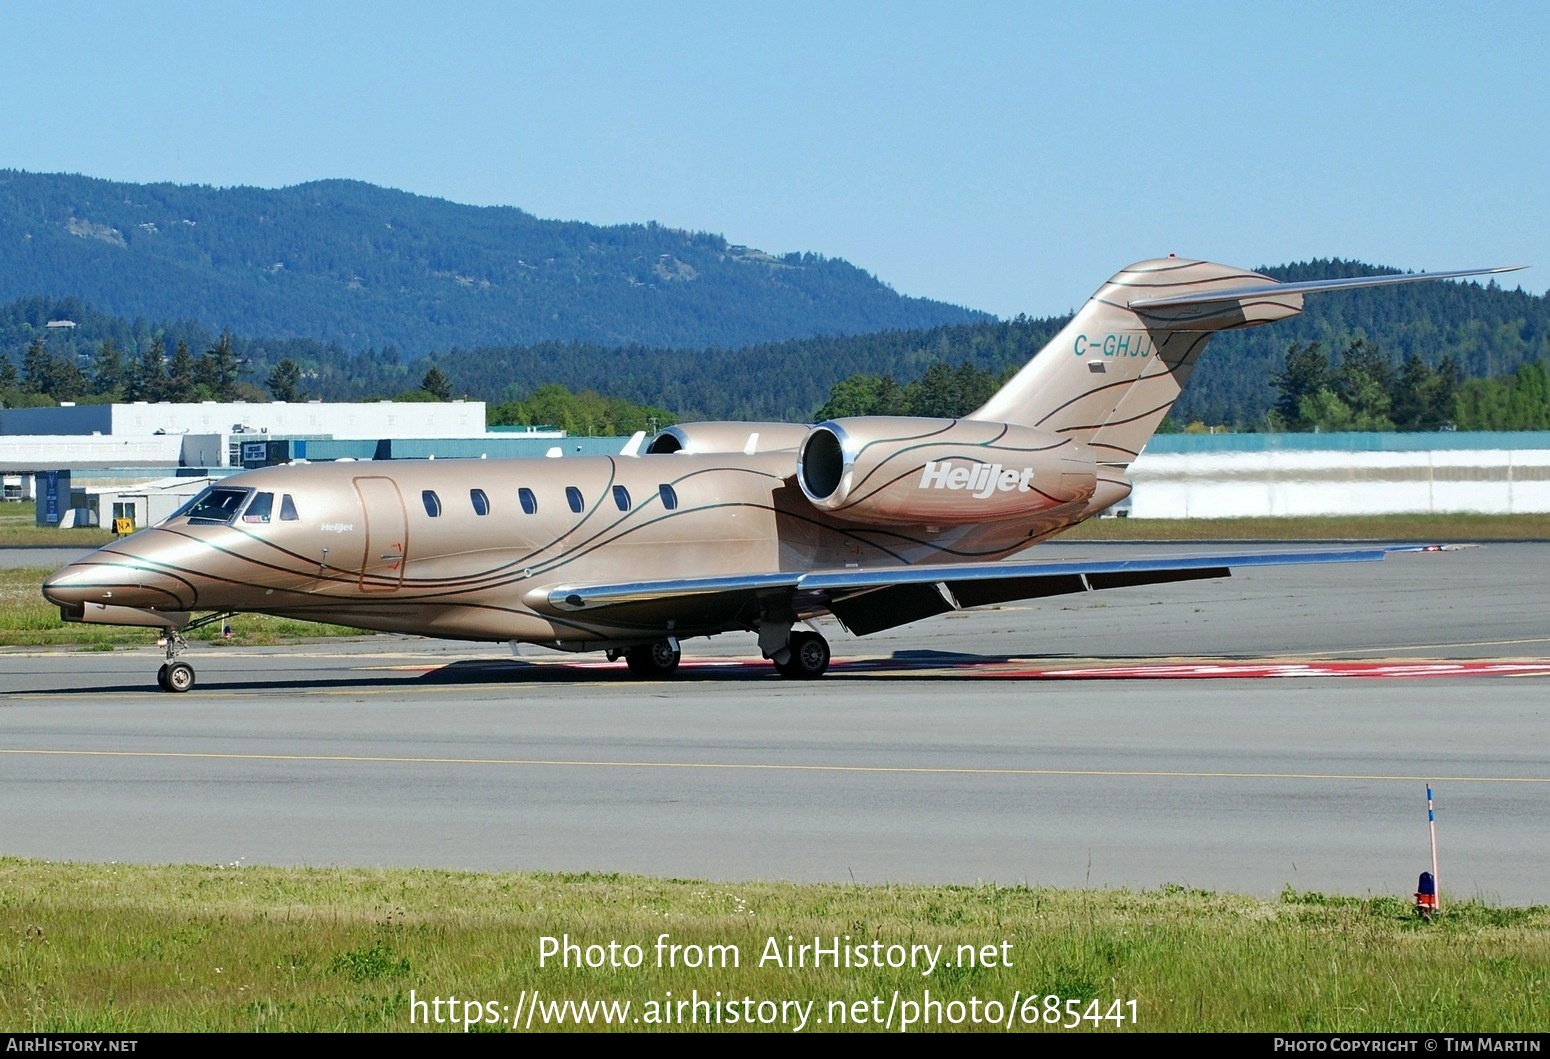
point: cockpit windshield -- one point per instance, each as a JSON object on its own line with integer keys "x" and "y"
{"x": 216, "y": 506}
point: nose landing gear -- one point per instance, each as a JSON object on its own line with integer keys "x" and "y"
{"x": 178, "y": 676}
{"x": 175, "y": 676}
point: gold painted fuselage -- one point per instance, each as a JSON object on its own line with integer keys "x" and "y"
{"x": 403, "y": 546}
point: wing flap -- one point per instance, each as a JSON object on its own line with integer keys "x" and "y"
{"x": 885, "y": 608}
{"x": 1131, "y": 578}
{"x": 870, "y": 600}
{"x": 1004, "y": 590}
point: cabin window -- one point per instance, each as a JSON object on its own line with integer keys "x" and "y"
{"x": 288, "y": 509}
{"x": 669, "y": 497}
{"x": 622, "y": 497}
{"x": 480, "y": 501}
{"x": 529, "y": 501}
{"x": 573, "y": 498}
{"x": 432, "y": 503}
{"x": 258, "y": 508}
{"x": 216, "y": 507}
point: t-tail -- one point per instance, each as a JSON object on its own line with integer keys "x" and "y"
{"x": 1110, "y": 376}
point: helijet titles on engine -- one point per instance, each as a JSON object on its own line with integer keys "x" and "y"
{"x": 982, "y": 479}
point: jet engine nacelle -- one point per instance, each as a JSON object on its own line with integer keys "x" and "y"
{"x": 698, "y": 439}
{"x": 892, "y": 469}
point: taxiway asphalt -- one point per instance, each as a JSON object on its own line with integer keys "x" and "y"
{"x": 945, "y": 751}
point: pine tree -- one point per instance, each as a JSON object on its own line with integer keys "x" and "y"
{"x": 437, "y": 384}
{"x": 35, "y": 367}
{"x": 220, "y": 368}
{"x": 285, "y": 381}
{"x": 148, "y": 381}
{"x": 1306, "y": 373}
{"x": 109, "y": 372}
{"x": 182, "y": 386}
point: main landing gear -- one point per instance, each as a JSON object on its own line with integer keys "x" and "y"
{"x": 653, "y": 659}
{"x": 809, "y": 657}
{"x": 806, "y": 657}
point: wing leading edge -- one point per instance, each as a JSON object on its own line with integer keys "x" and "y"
{"x": 868, "y": 601}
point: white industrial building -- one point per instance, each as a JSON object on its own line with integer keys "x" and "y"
{"x": 1255, "y": 475}
{"x": 377, "y": 419}
{"x": 210, "y": 434}
{"x": 90, "y": 460}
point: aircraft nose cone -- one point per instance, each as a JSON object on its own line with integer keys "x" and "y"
{"x": 116, "y": 583}
{"x": 66, "y": 586}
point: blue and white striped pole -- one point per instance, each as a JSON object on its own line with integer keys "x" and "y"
{"x": 1431, "y": 822}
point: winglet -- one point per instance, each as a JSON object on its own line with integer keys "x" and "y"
{"x": 632, "y": 447}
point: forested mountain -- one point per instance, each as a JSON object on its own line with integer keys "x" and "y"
{"x": 366, "y": 267}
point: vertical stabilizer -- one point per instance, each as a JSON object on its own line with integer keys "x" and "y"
{"x": 1110, "y": 376}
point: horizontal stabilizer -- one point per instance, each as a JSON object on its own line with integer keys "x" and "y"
{"x": 1260, "y": 290}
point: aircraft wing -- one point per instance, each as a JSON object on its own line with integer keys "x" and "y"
{"x": 870, "y": 600}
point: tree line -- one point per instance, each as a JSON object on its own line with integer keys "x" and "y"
{"x": 1363, "y": 390}
{"x": 216, "y": 374}
{"x": 46, "y": 378}
{"x": 1448, "y": 354}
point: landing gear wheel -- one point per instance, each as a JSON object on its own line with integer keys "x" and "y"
{"x": 161, "y": 677}
{"x": 809, "y": 657}
{"x": 179, "y": 678}
{"x": 653, "y": 660}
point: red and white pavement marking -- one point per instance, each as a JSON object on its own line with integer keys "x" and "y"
{"x": 1252, "y": 670}
{"x": 1027, "y": 669}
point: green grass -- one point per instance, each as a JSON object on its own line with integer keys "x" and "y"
{"x": 18, "y": 528}
{"x": 123, "y": 949}
{"x": 29, "y": 620}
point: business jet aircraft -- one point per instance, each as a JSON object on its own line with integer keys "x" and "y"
{"x": 716, "y": 527}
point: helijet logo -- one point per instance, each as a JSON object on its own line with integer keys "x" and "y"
{"x": 981, "y": 479}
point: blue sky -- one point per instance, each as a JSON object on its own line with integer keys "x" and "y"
{"x": 1005, "y": 156}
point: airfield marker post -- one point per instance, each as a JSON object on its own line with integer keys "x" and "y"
{"x": 1431, "y": 823}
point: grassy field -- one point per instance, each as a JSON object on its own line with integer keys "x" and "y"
{"x": 17, "y": 529}
{"x": 29, "y": 620}
{"x": 122, "y": 949}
